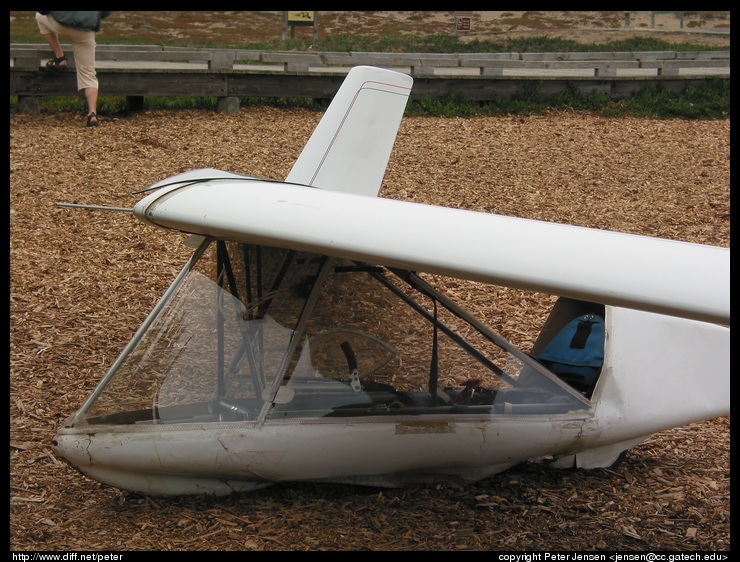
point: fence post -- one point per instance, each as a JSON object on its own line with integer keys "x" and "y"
{"x": 29, "y": 104}
{"x": 227, "y": 104}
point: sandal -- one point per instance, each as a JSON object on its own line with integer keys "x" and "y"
{"x": 56, "y": 62}
{"x": 90, "y": 122}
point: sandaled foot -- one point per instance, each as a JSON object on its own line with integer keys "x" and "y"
{"x": 57, "y": 63}
{"x": 92, "y": 120}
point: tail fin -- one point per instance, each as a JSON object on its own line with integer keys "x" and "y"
{"x": 349, "y": 149}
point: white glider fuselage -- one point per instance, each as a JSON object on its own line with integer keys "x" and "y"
{"x": 648, "y": 384}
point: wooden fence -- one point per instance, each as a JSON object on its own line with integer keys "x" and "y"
{"x": 136, "y": 71}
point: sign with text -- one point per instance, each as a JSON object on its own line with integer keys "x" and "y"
{"x": 463, "y": 21}
{"x": 301, "y": 18}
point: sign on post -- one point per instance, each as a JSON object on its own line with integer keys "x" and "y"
{"x": 463, "y": 22}
{"x": 295, "y": 19}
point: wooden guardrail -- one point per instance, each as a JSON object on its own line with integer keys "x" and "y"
{"x": 139, "y": 70}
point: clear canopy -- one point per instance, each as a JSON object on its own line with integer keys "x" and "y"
{"x": 260, "y": 334}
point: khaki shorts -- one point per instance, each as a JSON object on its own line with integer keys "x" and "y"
{"x": 83, "y": 46}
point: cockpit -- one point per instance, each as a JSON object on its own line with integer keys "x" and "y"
{"x": 258, "y": 334}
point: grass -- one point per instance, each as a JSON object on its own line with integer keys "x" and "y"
{"x": 710, "y": 100}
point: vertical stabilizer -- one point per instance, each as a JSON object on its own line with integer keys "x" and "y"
{"x": 349, "y": 149}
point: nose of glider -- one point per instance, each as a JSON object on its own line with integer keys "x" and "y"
{"x": 71, "y": 449}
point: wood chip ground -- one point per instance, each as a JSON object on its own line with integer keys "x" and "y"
{"x": 81, "y": 282}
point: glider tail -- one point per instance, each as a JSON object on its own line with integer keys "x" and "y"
{"x": 350, "y": 147}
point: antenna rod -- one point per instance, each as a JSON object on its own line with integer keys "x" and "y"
{"x": 96, "y": 207}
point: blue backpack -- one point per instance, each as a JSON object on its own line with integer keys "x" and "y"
{"x": 576, "y": 353}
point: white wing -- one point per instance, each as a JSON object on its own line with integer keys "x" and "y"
{"x": 652, "y": 274}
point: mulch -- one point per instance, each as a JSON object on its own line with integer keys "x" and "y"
{"x": 82, "y": 281}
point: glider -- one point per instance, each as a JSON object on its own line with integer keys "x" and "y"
{"x": 306, "y": 339}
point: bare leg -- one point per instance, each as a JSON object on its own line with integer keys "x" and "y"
{"x": 91, "y": 95}
{"x": 53, "y": 41}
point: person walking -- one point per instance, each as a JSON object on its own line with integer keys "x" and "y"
{"x": 80, "y": 29}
